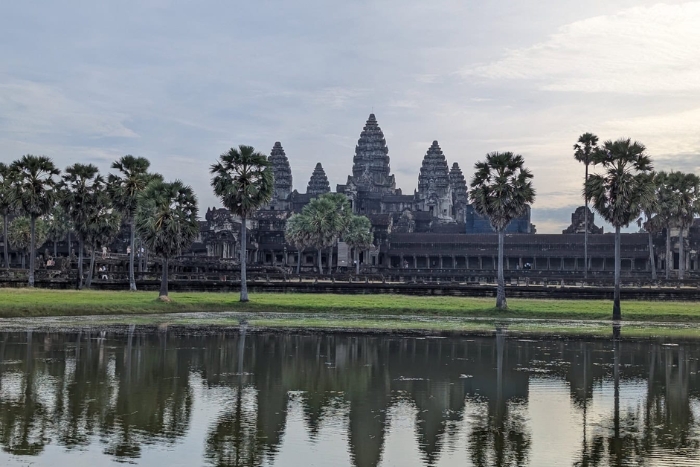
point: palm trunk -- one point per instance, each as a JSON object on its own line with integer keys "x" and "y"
{"x": 330, "y": 260}
{"x": 81, "y": 246}
{"x": 299, "y": 261}
{"x": 132, "y": 279}
{"x": 244, "y": 283}
{"x": 501, "y": 303}
{"x": 320, "y": 264}
{"x": 164, "y": 279}
{"x": 585, "y": 236}
{"x": 357, "y": 261}
{"x": 669, "y": 258}
{"x": 24, "y": 258}
{"x": 617, "y": 313}
{"x": 681, "y": 254}
{"x": 6, "y": 226}
{"x": 55, "y": 249}
{"x": 651, "y": 258}
{"x": 69, "y": 242}
{"x": 32, "y": 250}
{"x": 88, "y": 282}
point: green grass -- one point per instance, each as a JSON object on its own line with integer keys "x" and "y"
{"x": 41, "y": 302}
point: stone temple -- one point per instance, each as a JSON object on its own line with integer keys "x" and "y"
{"x": 435, "y": 228}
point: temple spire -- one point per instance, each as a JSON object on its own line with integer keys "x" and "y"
{"x": 371, "y": 169}
{"x": 281, "y": 171}
{"x": 460, "y": 197}
{"x": 434, "y": 191}
{"x": 318, "y": 184}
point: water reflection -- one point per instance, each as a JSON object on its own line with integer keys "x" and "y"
{"x": 231, "y": 397}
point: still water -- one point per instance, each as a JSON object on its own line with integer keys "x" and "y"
{"x": 234, "y": 398}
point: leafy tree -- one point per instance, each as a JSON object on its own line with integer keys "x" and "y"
{"x": 59, "y": 225}
{"x": 584, "y": 149}
{"x": 620, "y": 192}
{"x": 296, "y": 235}
{"x": 19, "y": 234}
{"x": 243, "y": 180}
{"x": 166, "y": 221}
{"x": 84, "y": 195}
{"x": 8, "y": 203}
{"x": 104, "y": 227}
{"x": 35, "y": 191}
{"x": 500, "y": 190}
{"x": 359, "y": 237}
{"x": 125, "y": 187}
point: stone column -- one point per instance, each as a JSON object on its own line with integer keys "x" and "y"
{"x": 481, "y": 262}
{"x": 415, "y": 262}
{"x": 401, "y": 261}
{"x": 562, "y": 263}
{"x": 454, "y": 262}
{"x": 549, "y": 263}
{"x": 441, "y": 263}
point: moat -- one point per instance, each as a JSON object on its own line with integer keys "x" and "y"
{"x": 236, "y": 397}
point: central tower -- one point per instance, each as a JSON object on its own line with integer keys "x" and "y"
{"x": 370, "y": 169}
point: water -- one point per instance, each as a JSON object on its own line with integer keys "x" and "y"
{"x": 235, "y": 398}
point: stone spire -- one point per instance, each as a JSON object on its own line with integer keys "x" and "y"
{"x": 370, "y": 168}
{"x": 459, "y": 192}
{"x": 318, "y": 184}
{"x": 281, "y": 171}
{"x": 434, "y": 191}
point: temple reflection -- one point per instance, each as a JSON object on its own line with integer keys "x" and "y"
{"x": 128, "y": 390}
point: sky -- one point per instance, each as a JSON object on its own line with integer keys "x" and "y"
{"x": 180, "y": 82}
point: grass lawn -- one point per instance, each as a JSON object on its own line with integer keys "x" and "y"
{"x": 41, "y": 302}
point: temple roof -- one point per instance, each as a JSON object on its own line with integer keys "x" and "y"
{"x": 458, "y": 183}
{"x": 434, "y": 172}
{"x": 318, "y": 184}
{"x": 371, "y": 162}
{"x": 281, "y": 171}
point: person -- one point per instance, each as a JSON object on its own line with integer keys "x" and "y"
{"x": 103, "y": 270}
{"x": 104, "y": 252}
{"x": 128, "y": 250}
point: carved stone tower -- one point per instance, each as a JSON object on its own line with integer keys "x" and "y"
{"x": 318, "y": 184}
{"x": 434, "y": 191}
{"x": 370, "y": 170}
{"x": 459, "y": 193}
{"x": 282, "y": 172}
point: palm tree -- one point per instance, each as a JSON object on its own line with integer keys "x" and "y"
{"x": 320, "y": 222}
{"x": 104, "y": 227}
{"x": 59, "y": 225}
{"x": 35, "y": 191}
{"x": 342, "y": 216}
{"x": 685, "y": 189}
{"x": 620, "y": 192}
{"x": 166, "y": 221}
{"x": 583, "y": 151}
{"x": 296, "y": 236}
{"x": 19, "y": 234}
{"x": 243, "y": 180}
{"x": 501, "y": 190}
{"x": 665, "y": 216}
{"x": 359, "y": 237}
{"x": 84, "y": 195}
{"x": 651, "y": 221}
{"x": 125, "y": 188}
{"x": 7, "y": 205}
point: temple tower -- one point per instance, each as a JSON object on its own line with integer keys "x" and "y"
{"x": 434, "y": 192}
{"x": 370, "y": 170}
{"x": 459, "y": 193}
{"x": 281, "y": 171}
{"x": 318, "y": 184}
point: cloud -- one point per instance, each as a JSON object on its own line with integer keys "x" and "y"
{"x": 639, "y": 50}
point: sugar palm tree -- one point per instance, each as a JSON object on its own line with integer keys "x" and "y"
{"x": 35, "y": 192}
{"x": 8, "y": 203}
{"x": 684, "y": 191}
{"x": 242, "y": 179}
{"x": 501, "y": 190}
{"x": 59, "y": 225}
{"x": 583, "y": 152}
{"x": 296, "y": 236}
{"x": 651, "y": 221}
{"x": 359, "y": 237}
{"x": 125, "y": 187}
{"x": 665, "y": 215}
{"x": 19, "y": 234}
{"x": 342, "y": 216}
{"x": 620, "y": 192}
{"x": 320, "y": 222}
{"x": 166, "y": 221}
{"x": 104, "y": 227}
{"x": 83, "y": 195}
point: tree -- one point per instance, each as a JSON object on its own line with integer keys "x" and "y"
{"x": 8, "y": 203}
{"x": 584, "y": 149}
{"x": 501, "y": 190}
{"x": 651, "y": 222}
{"x": 296, "y": 236}
{"x": 84, "y": 195}
{"x": 342, "y": 216}
{"x": 319, "y": 221}
{"x": 59, "y": 225}
{"x": 125, "y": 188}
{"x": 243, "y": 180}
{"x": 665, "y": 206}
{"x": 684, "y": 193}
{"x": 19, "y": 234}
{"x": 166, "y": 221}
{"x": 620, "y": 192}
{"x": 359, "y": 237}
{"x": 104, "y": 227}
{"x": 35, "y": 191}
